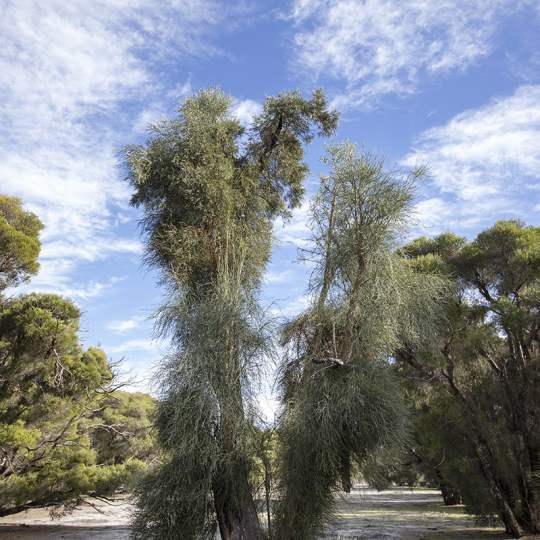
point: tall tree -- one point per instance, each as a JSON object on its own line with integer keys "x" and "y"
{"x": 19, "y": 242}
{"x": 341, "y": 402}
{"x": 487, "y": 359}
{"x": 209, "y": 191}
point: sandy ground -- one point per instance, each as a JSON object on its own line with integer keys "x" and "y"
{"x": 405, "y": 515}
{"x": 364, "y": 514}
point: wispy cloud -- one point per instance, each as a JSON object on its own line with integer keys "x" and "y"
{"x": 380, "y": 47}
{"x": 132, "y": 345}
{"x": 278, "y": 277}
{"x": 67, "y": 72}
{"x": 293, "y": 307}
{"x": 295, "y": 230}
{"x": 126, "y": 325}
{"x": 483, "y": 162}
{"x": 73, "y": 290}
{"x": 245, "y": 110}
{"x": 157, "y": 109}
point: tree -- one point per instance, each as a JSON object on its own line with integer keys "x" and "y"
{"x": 51, "y": 390}
{"x": 487, "y": 359}
{"x": 122, "y": 429}
{"x": 209, "y": 191}
{"x": 265, "y": 451}
{"x": 65, "y": 430}
{"x": 341, "y": 401}
{"x": 19, "y": 242}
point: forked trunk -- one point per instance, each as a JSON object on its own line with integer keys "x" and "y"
{"x": 240, "y": 522}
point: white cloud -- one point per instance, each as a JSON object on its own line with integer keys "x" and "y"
{"x": 292, "y": 308}
{"x": 66, "y": 71}
{"x": 153, "y": 114}
{"x": 276, "y": 278}
{"x": 380, "y": 47}
{"x": 132, "y": 345}
{"x": 245, "y": 110}
{"x": 483, "y": 162}
{"x": 295, "y": 230}
{"x": 126, "y": 325}
{"x": 156, "y": 111}
{"x": 71, "y": 290}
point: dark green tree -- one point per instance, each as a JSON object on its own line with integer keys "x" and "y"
{"x": 341, "y": 401}
{"x": 19, "y": 242}
{"x": 122, "y": 429}
{"x": 487, "y": 360}
{"x": 209, "y": 191}
{"x": 51, "y": 391}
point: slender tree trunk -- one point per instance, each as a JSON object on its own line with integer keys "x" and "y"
{"x": 235, "y": 508}
{"x": 233, "y": 499}
{"x": 533, "y": 501}
{"x": 450, "y": 495}
{"x": 345, "y": 473}
{"x": 506, "y": 511}
{"x": 249, "y": 526}
{"x": 223, "y": 515}
{"x": 267, "y": 492}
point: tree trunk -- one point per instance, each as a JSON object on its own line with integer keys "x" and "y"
{"x": 236, "y": 521}
{"x": 345, "y": 473}
{"x": 233, "y": 499}
{"x": 450, "y": 496}
{"x": 533, "y": 501}
{"x": 267, "y": 493}
{"x": 506, "y": 512}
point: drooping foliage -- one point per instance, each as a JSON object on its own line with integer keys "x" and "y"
{"x": 19, "y": 242}
{"x": 52, "y": 393}
{"x": 340, "y": 401}
{"x": 209, "y": 190}
{"x": 486, "y": 365}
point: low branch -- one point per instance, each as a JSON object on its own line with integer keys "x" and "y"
{"x": 329, "y": 361}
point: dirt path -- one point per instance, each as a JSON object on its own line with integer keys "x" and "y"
{"x": 110, "y": 523}
{"x": 405, "y": 515}
{"x": 364, "y": 514}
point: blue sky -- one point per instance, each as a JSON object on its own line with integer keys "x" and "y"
{"x": 453, "y": 84}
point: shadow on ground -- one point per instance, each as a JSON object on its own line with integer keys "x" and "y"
{"x": 364, "y": 514}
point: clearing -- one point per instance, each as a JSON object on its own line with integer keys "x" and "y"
{"x": 365, "y": 514}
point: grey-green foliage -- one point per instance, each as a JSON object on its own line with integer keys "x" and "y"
{"x": 209, "y": 191}
{"x": 340, "y": 400}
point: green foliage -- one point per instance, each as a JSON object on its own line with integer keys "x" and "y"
{"x": 209, "y": 191}
{"x": 341, "y": 400}
{"x": 484, "y": 370}
{"x": 201, "y": 195}
{"x": 55, "y": 402}
{"x": 19, "y": 242}
{"x": 124, "y": 431}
